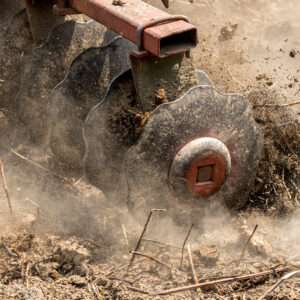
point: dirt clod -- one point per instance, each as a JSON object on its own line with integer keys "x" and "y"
{"x": 227, "y": 32}
{"x": 67, "y": 242}
{"x": 293, "y": 53}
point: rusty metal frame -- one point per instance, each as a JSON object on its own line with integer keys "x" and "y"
{"x": 140, "y": 30}
{"x": 151, "y": 73}
{"x": 41, "y": 19}
{"x": 62, "y": 8}
{"x": 165, "y": 3}
{"x": 172, "y": 34}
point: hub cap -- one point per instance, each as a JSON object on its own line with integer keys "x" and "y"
{"x": 200, "y": 167}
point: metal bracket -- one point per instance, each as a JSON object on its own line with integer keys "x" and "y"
{"x": 41, "y": 19}
{"x": 165, "y": 3}
{"x": 172, "y": 34}
{"x": 160, "y": 80}
{"x": 62, "y": 8}
{"x": 140, "y": 30}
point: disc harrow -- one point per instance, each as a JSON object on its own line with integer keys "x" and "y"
{"x": 8, "y": 9}
{"x": 14, "y": 43}
{"x": 210, "y": 154}
{"x": 85, "y": 83}
{"x": 146, "y": 126}
{"x": 46, "y": 66}
{"x": 121, "y": 119}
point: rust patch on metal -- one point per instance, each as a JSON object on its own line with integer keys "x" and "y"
{"x": 161, "y": 40}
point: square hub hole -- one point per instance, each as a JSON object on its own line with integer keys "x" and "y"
{"x": 204, "y": 173}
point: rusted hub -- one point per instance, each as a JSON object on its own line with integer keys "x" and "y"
{"x": 200, "y": 167}
{"x": 176, "y": 133}
{"x": 206, "y": 173}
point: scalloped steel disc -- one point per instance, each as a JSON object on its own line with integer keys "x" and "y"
{"x": 7, "y": 9}
{"x": 111, "y": 128}
{"x": 47, "y": 65}
{"x": 14, "y": 43}
{"x": 83, "y": 87}
{"x": 201, "y": 112}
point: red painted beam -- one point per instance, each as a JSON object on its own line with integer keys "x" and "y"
{"x": 164, "y": 39}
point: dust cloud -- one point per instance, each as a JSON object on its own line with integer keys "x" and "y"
{"x": 250, "y": 47}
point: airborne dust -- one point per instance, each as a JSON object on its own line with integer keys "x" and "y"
{"x": 66, "y": 240}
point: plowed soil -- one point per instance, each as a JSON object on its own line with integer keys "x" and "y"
{"x": 66, "y": 241}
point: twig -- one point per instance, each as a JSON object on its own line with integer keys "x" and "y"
{"x": 285, "y": 140}
{"x": 137, "y": 278}
{"x": 187, "y": 236}
{"x": 158, "y": 210}
{"x": 46, "y": 170}
{"x": 247, "y": 243}
{"x": 28, "y": 267}
{"x": 192, "y": 264}
{"x": 13, "y": 253}
{"x": 96, "y": 292}
{"x": 47, "y": 259}
{"x": 272, "y": 288}
{"x": 297, "y": 193}
{"x": 221, "y": 281}
{"x": 293, "y": 266}
{"x": 22, "y": 265}
{"x": 38, "y": 210}
{"x": 286, "y": 262}
{"x": 286, "y": 123}
{"x": 285, "y": 187}
{"x": 140, "y": 239}
{"x": 292, "y": 257}
{"x": 138, "y": 290}
{"x": 295, "y": 186}
{"x": 87, "y": 272}
{"x": 150, "y": 257}
{"x": 160, "y": 243}
{"x": 94, "y": 243}
{"x": 78, "y": 180}
{"x": 5, "y": 188}
{"x": 125, "y": 235}
{"x": 120, "y": 268}
{"x": 278, "y": 105}
{"x": 120, "y": 279}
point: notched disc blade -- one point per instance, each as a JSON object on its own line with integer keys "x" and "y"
{"x": 14, "y": 43}
{"x": 7, "y": 9}
{"x": 203, "y": 78}
{"x": 47, "y": 65}
{"x": 111, "y": 128}
{"x": 84, "y": 86}
{"x": 201, "y": 112}
{"x": 42, "y": 19}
